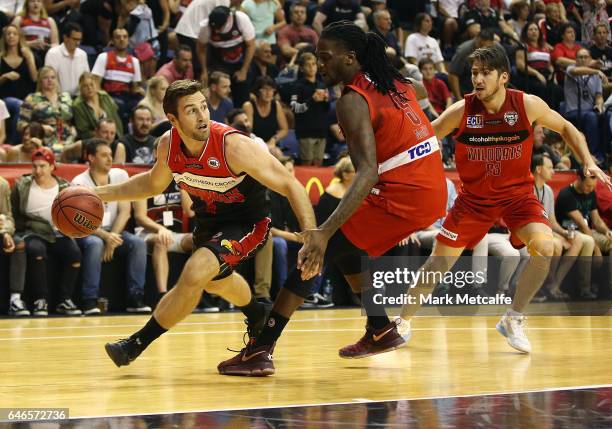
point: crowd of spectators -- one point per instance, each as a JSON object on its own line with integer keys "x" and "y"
{"x": 83, "y": 82}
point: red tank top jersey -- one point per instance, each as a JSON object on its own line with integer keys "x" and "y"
{"x": 407, "y": 150}
{"x": 34, "y": 28}
{"x": 493, "y": 151}
{"x": 218, "y": 195}
{"x": 118, "y": 74}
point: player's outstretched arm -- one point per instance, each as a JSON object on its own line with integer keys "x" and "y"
{"x": 142, "y": 185}
{"x": 538, "y": 111}
{"x": 449, "y": 120}
{"x": 243, "y": 154}
{"x": 354, "y": 119}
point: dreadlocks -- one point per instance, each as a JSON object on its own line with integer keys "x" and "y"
{"x": 370, "y": 51}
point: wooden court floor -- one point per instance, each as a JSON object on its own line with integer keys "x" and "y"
{"x": 60, "y": 362}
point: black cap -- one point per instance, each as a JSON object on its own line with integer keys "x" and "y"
{"x": 218, "y": 16}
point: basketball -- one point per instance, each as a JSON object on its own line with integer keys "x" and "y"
{"x": 77, "y": 211}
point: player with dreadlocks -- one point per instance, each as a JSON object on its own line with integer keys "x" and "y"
{"x": 399, "y": 188}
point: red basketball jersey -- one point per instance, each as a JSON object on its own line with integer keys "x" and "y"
{"x": 493, "y": 151}
{"x": 411, "y": 181}
{"x": 218, "y": 195}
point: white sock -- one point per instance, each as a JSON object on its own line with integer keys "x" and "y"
{"x": 15, "y": 297}
{"x": 511, "y": 312}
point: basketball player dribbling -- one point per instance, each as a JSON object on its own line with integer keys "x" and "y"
{"x": 399, "y": 188}
{"x": 493, "y": 155}
{"x": 226, "y": 174}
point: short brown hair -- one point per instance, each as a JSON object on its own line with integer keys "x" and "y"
{"x": 177, "y": 90}
{"x": 493, "y": 57}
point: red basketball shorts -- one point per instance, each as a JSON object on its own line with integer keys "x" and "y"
{"x": 469, "y": 220}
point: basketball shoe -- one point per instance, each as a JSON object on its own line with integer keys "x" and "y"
{"x": 375, "y": 341}
{"x": 512, "y": 326}
{"x": 251, "y": 361}
{"x": 124, "y": 351}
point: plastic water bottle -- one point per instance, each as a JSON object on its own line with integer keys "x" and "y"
{"x": 571, "y": 231}
{"x": 327, "y": 289}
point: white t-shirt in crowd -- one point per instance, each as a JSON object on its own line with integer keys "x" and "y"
{"x": 244, "y": 25}
{"x": 115, "y": 175}
{"x": 4, "y": 113}
{"x": 69, "y": 68}
{"x": 40, "y": 201}
{"x": 11, "y": 6}
{"x": 99, "y": 68}
{"x": 419, "y": 47}
{"x": 451, "y": 6}
{"x": 196, "y": 12}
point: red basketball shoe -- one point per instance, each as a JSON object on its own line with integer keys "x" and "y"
{"x": 251, "y": 361}
{"x": 374, "y": 342}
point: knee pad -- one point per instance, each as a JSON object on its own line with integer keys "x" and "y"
{"x": 296, "y": 285}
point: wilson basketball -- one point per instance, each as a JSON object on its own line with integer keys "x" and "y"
{"x": 77, "y": 211}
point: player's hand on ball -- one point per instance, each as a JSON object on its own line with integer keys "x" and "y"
{"x": 310, "y": 256}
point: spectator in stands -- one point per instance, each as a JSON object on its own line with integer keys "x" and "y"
{"x": 267, "y": 17}
{"x": 383, "y": 26}
{"x": 32, "y": 139}
{"x": 448, "y": 11}
{"x": 238, "y": 119}
{"x": 542, "y": 148}
{"x": 140, "y": 144}
{"x": 338, "y": 10}
{"x": 266, "y": 113}
{"x": 68, "y": 60}
{"x": 263, "y": 62}
{"x": 189, "y": 25}
{"x": 159, "y": 224}
{"x": 594, "y": 13}
{"x": 482, "y": 16}
{"x": 520, "y": 11}
{"x": 31, "y": 201}
{"x": 93, "y": 104}
{"x": 576, "y": 206}
{"x": 219, "y": 102}
{"x": 310, "y": 104}
{"x": 421, "y": 45}
{"x": 106, "y": 129}
{"x": 437, "y": 91}
{"x": 564, "y": 52}
{"x": 120, "y": 74}
{"x": 50, "y": 107}
{"x": 550, "y": 27}
{"x": 601, "y": 51}
{"x": 14, "y": 248}
{"x": 180, "y": 67}
{"x": 39, "y": 29}
{"x": 459, "y": 70}
{"x": 535, "y": 73}
{"x": 154, "y": 98}
{"x": 583, "y": 89}
{"x": 111, "y": 238}
{"x": 17, "y": 75}
{"x": 568, "y": 243}
{"x": 296, "y": 35}
{"x": 231, "y": 37}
